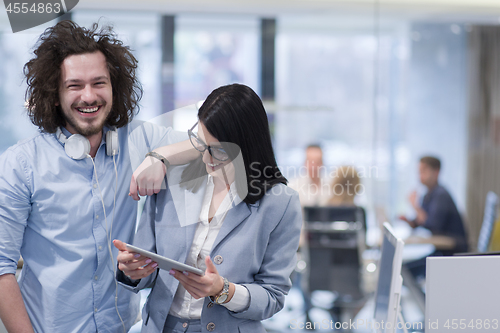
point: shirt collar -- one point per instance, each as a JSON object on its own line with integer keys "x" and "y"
{"x": 232, "y": 190}
{"x": 67, "y": 133}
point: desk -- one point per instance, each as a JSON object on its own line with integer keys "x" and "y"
{"x": 439, "y": 242}
{"x": 421, "y": 235}
{"x": 412, "y": 252}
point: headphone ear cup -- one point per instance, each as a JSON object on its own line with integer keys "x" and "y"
{"x": 112, "y": 146}
{"x": 77, "y": 147}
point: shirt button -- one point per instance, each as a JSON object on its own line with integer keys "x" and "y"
{"x": 218, "y": 259}
{"x": 210, "y": 327}
{"x": 100, "y": 247}
{"x": 95, "y": 277}
{"x": 97, "y": 217}
{"x": 95, "y": 310}
{"x": 185, "y": 325}
{"x": 95, "y": 185}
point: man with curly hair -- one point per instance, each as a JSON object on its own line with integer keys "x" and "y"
{"x": 60, "y": 211}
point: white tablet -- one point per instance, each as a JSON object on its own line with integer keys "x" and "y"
{"x": 165, "y": 263}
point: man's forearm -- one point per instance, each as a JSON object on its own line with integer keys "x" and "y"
{"x": 12, "y": 310}
{"x": 178, "y": 153}
{"x": 421, "y": 216}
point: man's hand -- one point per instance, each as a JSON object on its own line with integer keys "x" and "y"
{"x": 147, "y": 178}
{"x": 410, "y": 222}
{"x": 403, "y": 218}
{"x": 421, "y": 214}
{"x": 133, "y": 265}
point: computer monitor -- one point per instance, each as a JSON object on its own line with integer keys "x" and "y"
{"x": 489, "y": 219}
{"x": 389, "y": 283}
{"x": 462, "y": 294}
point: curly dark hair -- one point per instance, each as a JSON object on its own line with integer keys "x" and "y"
{"x": 43, "y": 73}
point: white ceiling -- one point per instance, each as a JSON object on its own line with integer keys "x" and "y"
{"x": 344, "y": 12}
{"x": 412, "y": 9}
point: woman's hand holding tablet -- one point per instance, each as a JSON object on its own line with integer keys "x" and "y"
{"x": 138, "y": 267}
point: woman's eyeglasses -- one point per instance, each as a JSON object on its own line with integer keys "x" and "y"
{"x": 218, "y": 153}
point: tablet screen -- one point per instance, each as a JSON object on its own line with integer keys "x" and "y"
{"x": 163, "y": 262}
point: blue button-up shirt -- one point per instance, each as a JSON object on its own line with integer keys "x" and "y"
{"x": 51, "y": 213}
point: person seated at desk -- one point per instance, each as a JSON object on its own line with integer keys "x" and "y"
{"x": 344, "y": 187}
{"x": 438, "y": 212}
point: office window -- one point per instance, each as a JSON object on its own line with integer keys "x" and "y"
{"x": 140, "y": 31}
{"x": 211, "y": 51}
{"x": 326, "y": 72}
{"x": 15, "y": 50}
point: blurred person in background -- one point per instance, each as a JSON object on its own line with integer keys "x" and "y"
{"x": 345, "y": 186}
{"x": 312, "y": 187}
{"x": 437, "y": 212}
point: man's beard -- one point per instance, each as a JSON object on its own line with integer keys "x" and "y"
{"x": 87, "y": 130}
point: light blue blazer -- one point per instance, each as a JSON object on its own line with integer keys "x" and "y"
{"x": 256, "y": 247}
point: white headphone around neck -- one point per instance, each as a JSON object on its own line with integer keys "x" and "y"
{"x": 78, "y": 147}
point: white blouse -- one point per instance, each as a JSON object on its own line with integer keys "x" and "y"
{"x": 184, "y": 305}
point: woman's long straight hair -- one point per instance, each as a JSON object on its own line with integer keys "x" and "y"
{"x": 235, "y": 116}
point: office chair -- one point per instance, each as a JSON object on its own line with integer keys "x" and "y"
{"x": 336, "y": 241}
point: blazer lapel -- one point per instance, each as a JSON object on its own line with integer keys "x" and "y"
{"x": 233, "y": 218}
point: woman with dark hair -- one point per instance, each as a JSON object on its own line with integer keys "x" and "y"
{"x": 234, "y": 218}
